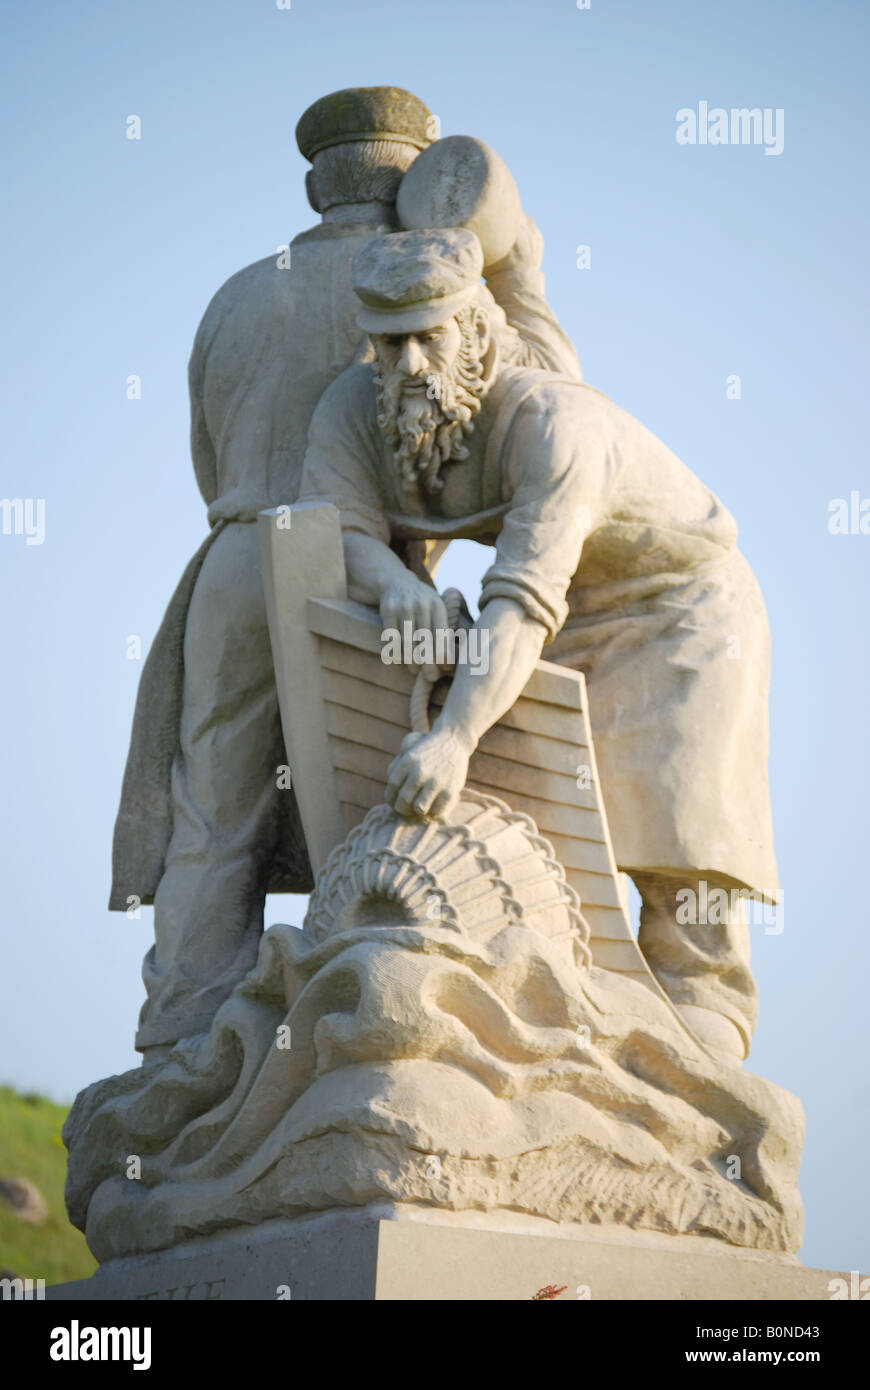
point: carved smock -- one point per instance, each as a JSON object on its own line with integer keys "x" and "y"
{"x": 554, "y": 469}
{"x": 630, "y": 564}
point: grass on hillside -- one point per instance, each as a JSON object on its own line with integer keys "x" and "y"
{"x": 31, "y": 1147}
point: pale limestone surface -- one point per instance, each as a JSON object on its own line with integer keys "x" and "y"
{"x": 346, "y": 713}
{"x": 435, "y": 1037}
{"x": 464, "y": 1027}
{"x": 203, "y": 831}
{"x": 621, "y": 561}
{"x": 608, "y": 553}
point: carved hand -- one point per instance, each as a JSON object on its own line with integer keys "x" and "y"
{"x": 428, "y": 774}
{"x": 407, "y": 599}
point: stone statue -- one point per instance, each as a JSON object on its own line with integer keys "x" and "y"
{"x": 464, "y": 1032}
{"x": 204, "y": 831}
{"x": 607, "y": 549}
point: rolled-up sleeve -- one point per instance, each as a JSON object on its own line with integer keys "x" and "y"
{"x": 558, "y": 464}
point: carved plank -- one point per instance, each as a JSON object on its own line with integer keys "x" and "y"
{"x": 352, "y": 623}
{"x": 604, "y": 920}
{"x": 618, "y": 955}
{"x": 586, "y": 856}
{"x": 581, "y": 822}
{"x": 364, "y": 666}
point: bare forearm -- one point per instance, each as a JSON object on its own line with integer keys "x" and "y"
{"x": 376, "y": 575}
{"x": 371, "y": 567}
{"x": 476, "y": 702}
{"x": 431, "y": 769}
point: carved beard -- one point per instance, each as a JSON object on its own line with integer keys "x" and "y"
{"x": 427, "y": 433}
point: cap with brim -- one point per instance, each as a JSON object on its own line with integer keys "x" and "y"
{"x": 411, "y": 281}
{"x": 364, "y": 113}
{"x": 415, "y": 317}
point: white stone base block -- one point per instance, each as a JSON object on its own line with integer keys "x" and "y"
{"x": 371, "y": 1256}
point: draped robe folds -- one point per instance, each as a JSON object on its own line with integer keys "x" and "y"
{"x": 631, "y": 566}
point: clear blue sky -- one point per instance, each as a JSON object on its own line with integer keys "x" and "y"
{"x": 706, "y": 261}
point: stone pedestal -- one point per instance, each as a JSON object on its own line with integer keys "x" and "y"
{"x": 365, "y": 1256}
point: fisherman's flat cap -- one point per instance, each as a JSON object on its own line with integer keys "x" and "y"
{"x": 409, "y": 281}
{"x": 364, "y": 113}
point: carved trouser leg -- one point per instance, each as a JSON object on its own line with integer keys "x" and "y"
{"x": 208, "y": 908}
{"x": 700, "y": 963}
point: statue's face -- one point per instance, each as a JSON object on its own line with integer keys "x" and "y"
{"x": 418, "y": 358}
{"x": 430, "y": 385}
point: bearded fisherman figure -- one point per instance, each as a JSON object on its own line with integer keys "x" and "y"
{"x": 607, "y": 550}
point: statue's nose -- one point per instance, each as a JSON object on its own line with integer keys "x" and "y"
{"x": 391, "y": 1018}
{"x": 412, "y": 360}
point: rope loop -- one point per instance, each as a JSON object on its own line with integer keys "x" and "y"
{"x": 458, "y": 619}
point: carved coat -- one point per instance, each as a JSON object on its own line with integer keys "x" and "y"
{"x": 631, "y": 566}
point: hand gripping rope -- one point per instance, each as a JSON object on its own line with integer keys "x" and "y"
{"x": 458, "y": 618}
